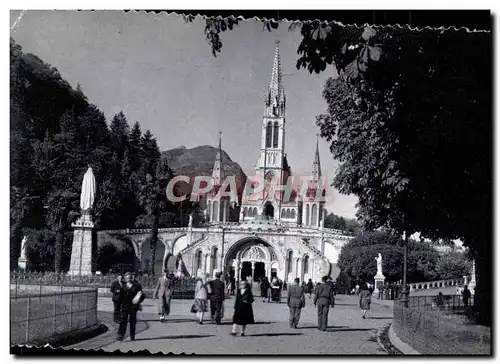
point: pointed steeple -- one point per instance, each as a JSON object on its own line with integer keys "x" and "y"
{"x": 316, "y": 170}
{"x": 275, "y": 97}
{"x": 218, "y": 171}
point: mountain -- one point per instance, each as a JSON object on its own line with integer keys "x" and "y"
{"x": 199, "y": 161}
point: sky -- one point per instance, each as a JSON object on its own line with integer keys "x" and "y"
{"x": 159, "y": 70}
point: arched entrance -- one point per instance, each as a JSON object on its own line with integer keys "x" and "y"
{"x": 269, "y": 210}
{"x": 251, "y": 258}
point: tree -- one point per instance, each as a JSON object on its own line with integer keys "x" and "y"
{"x": 453, "y": 264}
{"x": 421, "y": 101}
{"x": 119, "y": 130}
{"x": 56, "y": 134}
{"x": 333, "y": 221}
{"x": 357, "y": 258}
{"x": 153, "y": 201}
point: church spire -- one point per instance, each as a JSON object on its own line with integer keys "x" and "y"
{"x": 275, "y": 97}
{"x": 218, "y": 171}
{"x": 316, "y": 170}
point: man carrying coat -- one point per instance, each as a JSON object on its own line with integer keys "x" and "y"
{"x": 323, "y": 299}
{"x": 132, "y": 297}
{"x": 296, "y": 301}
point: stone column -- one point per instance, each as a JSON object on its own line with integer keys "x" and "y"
{"x": 472, "y": 283}
{"x": 238, "y": 276}
{"x": 310, "y": 272}
{"x": 224, "y": 215}
{"x": 81, "y": 253}
{"x": 253, "y": 270}
{"x": 299, "y": 269}
{"x": 204, "y": 263}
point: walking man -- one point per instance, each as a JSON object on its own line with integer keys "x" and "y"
{"x": 116, "y": 290}
{"x": 323, "y": 298}
{"x": 132, "y": 296}
{"x": 296, "y": 301}
{"x": 466, "y": 296}
{"x": 331, "y": 283}
{"x": 163, "y": 294}
{"x": 217, "y": 298}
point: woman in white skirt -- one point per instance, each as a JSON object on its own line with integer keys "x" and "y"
{"x": 200, "y": 305}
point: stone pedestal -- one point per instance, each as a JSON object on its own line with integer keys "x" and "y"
{"x": 81, "y": 253}
{"x": 379, "y": 282}
{"x": 21, "y": 263}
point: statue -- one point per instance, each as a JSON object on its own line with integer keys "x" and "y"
{"x": 379, "y": 264}
{"x": 190, "y": 224}
{"x": 23, "y": 246}
{"x": 21, "y": 262}
{"x": 88, "y": 190}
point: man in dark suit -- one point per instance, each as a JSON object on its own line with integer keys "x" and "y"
{"x": 331, "y": 283}
{"x": 116, "y": 290}
{"x": 132, "y": 297}
{"x": 295, "y": 301}
{"x": 323, "y": 299}
{"x": 217, "y": 298}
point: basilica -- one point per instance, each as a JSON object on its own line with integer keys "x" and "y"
{"x": 275, "y": 234}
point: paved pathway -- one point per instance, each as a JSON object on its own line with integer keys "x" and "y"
{"x": 348, "y": 333}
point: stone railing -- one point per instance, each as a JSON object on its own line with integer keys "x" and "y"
{"x": 437, "y": 284}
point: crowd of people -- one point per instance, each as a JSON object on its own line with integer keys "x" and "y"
{"x": 127, "y": 296}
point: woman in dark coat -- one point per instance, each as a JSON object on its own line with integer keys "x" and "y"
{"x": 364, "y": 299}
{"x": 243, "y": 312}
{"x": 264, "y": 287}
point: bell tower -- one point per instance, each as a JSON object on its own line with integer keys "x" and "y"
{"x": 272, "y": 150}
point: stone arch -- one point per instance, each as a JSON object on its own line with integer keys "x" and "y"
{"x": 245, "y": 211}
{"x": 179, "y": 243}
{"x": 255, "y": 212}
{"x": 213, "y": 259}
{"x": 292, "y": 214}
{"x": 161, "y": 254}
{"x": 240, "y": 248}
{"x": 117, "y": 254}
{"x": 283, "y": 214}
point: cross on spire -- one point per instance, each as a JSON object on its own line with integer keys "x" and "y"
{"x": 316, "y": 170}
{"x": 275, "y": 97}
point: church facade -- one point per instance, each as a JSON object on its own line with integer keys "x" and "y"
{"x": 278, "y": 233}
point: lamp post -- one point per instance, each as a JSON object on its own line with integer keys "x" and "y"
{"x": 222, "y": 250}
{"x": 404, "y": 293}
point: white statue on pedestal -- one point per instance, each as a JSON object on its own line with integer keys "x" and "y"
{"x": 379, "y": 264}
{"x": 23, "y": 247}
{"x": 190, "y": 224}
{"x": 88, "y": 190}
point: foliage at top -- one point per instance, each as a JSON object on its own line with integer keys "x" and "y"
{"x": 56, "y": 134}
